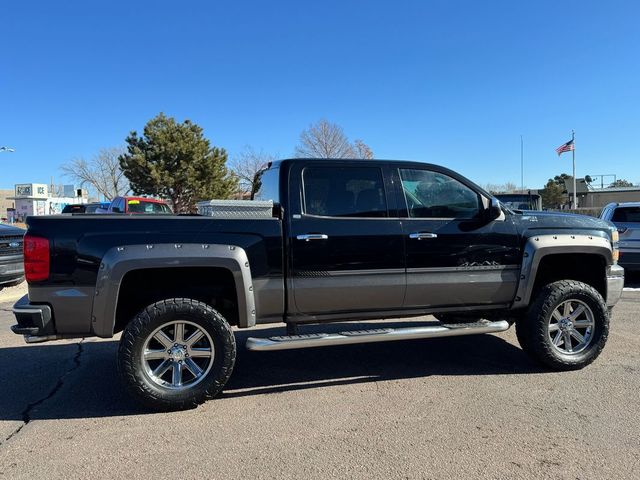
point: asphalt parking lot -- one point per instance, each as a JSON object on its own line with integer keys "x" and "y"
{"x": 466, "y": 407}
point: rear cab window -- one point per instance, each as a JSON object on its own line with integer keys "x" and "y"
{"x": 626, "y": 215}
{"x": 267, "y": 185}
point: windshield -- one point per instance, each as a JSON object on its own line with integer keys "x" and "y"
{"x": 92, "y": 207}
{"x": 74, "y": 209}
{"x": 143, "y": 206}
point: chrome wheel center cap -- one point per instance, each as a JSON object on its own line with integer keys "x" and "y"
{"x": 565, "y": 324}
{"x": 178, "y": 353}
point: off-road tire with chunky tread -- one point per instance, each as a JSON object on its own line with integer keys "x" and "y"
{"x": 532, "y": 328}
{"x": 133, "y": 339}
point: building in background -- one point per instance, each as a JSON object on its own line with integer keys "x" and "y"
{"x": 591, "y": 197}
{"x": 6, "y": 205}
{"x": 35, "y": 199}
{"x": 582, "y": 190}
{"x": 601, "y": 197}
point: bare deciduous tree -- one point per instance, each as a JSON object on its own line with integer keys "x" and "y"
{"x": 362, "y": 150}
{"x": 327, "y": 140}
{"x": 102, "y": 173}
{"x": 246, "y": 165}
{"x": 508, "y": 187}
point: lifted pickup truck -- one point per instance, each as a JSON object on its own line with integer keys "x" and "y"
{"x": 348, "y": 240}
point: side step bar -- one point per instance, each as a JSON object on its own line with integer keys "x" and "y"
{"x": 378, "y": 335}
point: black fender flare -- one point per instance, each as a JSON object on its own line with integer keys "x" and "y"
{"x": 539, "y": 246}
{"x": 118, "y": 261}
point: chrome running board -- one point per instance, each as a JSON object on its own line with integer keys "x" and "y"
{"x": 378, "y": 335}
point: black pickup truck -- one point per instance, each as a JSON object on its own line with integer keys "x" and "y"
{"x": 347, "y": 240}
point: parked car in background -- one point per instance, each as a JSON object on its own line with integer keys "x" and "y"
{"x": 626, "y": 218}
{"x": 136, "y": 205}
{"x": 86, "y": 207}
{"x": 11, "y": 260}
{"x": 520, "y": 201}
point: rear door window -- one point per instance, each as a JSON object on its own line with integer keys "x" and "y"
{"x": 344, "y": 191}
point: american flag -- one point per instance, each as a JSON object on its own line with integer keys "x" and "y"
{"x": 565, "y": 147}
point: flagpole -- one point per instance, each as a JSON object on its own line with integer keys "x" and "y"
{"x": 521, "y": 164}
{"x": 573, "y": 151}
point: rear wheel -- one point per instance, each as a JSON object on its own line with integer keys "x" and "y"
{"x": 566, "y": 327}
{"x": 176, "y": 354}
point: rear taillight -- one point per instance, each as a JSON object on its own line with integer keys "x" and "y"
{"x": 36, "y": 258}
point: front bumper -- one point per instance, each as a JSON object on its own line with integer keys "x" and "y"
{"x": 11, "y": 269}
{"x": 34, "y": 321}
{"x": 615, "y": 284}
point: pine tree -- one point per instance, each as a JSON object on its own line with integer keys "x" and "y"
{"x": 176, "y": 162}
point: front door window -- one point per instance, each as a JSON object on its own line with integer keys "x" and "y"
{"x": 432, "y": 194}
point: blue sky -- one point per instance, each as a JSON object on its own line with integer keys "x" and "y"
{"x": 449, "y": 82}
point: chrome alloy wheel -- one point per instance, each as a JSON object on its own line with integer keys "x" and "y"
{"x": 571, "y": 327}
{"x": 178, "y": 355}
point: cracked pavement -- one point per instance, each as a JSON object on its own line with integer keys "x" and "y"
{"x": 466, "y": 407}
{"x": 27, "y": 412}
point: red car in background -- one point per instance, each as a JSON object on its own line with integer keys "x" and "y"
{"x": 135, "y": 205}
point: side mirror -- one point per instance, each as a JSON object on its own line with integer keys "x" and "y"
{"x": 495, "y": 211}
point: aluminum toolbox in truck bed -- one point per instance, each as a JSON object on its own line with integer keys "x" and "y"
{"x": 236, "y": 208}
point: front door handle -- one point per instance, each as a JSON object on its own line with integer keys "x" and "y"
{"x": 312, "y": 236}
{"x": 422, "y": 235}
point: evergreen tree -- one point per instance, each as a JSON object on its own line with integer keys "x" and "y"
{"x": 175, "y": 161}
{"x": 552, "y": 194}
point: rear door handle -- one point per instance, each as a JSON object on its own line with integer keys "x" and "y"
{"x": 422, "y": 235}
{"x": 312, "y": 236}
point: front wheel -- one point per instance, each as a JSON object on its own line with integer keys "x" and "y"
{"x": 566, "y": 327}
{"x": 176, "y": 353}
